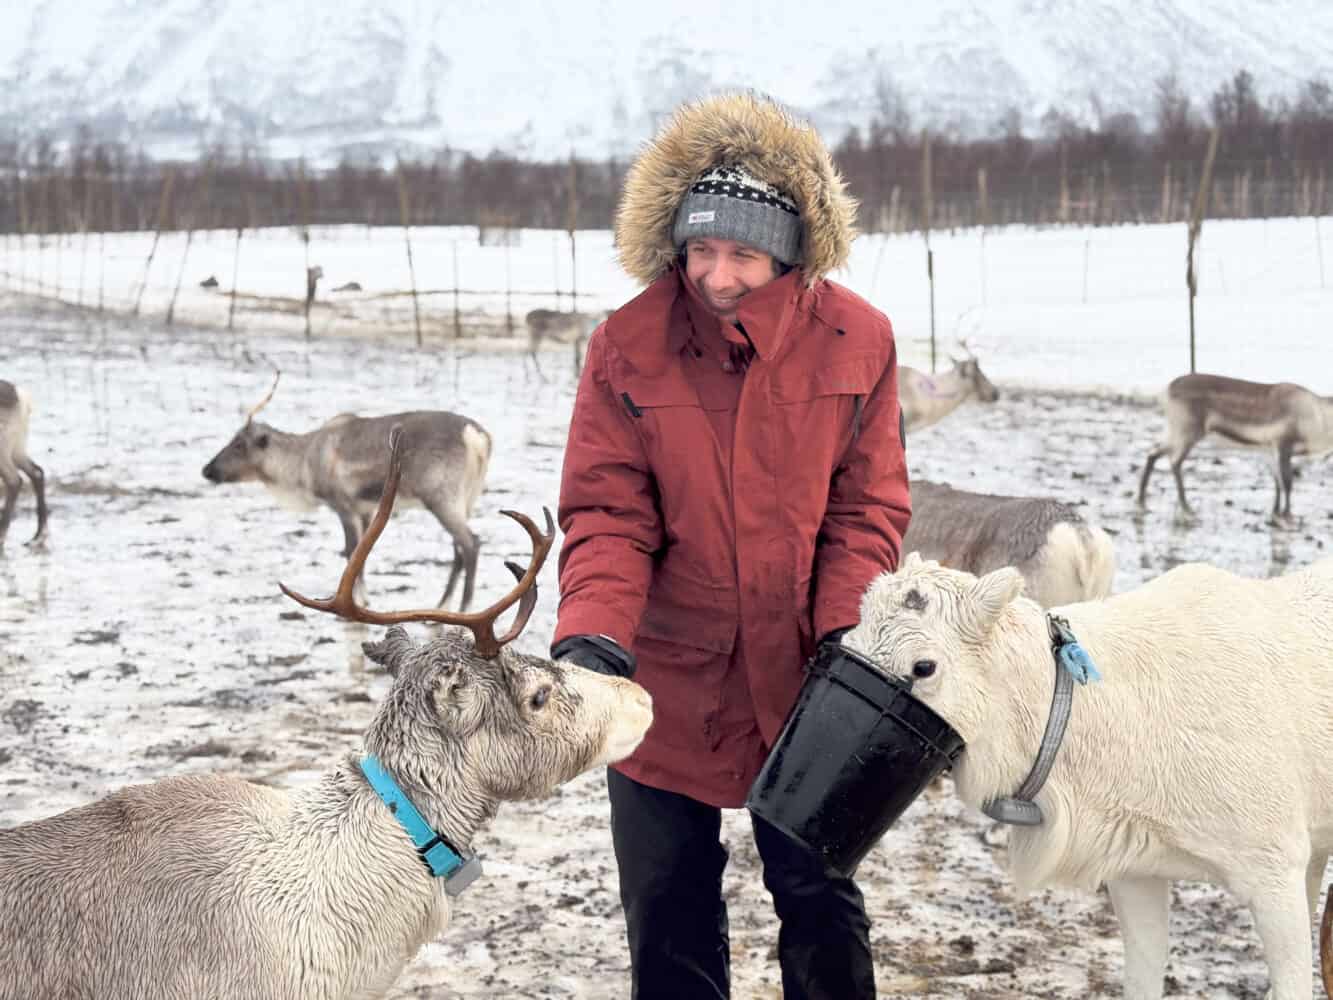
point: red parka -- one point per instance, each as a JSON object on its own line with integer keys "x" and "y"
{"x": 718, "y": 522}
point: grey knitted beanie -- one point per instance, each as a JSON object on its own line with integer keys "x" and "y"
{"x": 728, "y": 203}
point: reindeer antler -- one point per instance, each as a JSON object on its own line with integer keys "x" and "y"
{"x": 482, "y": 623}
{"x": 277, "y": 374}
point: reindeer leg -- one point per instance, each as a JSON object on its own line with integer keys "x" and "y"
{"x": 1314, "y": 879}
{"x": 1141, "y": 908}
{"x": 354, "y": 526}
{"x": 12, "y": 486}
{"x": 1282, "y": 920}
{"x": 1176, "y": 463}
{"x": 455, "y": 571}
{"x": 1284, "y": 452}
{"x": 351, "y": 531}
{"x": 537, "y": 365}
{"x": 1148, "y": 464}
{"x": 38, "y": 478}
{"x": 466, "y": 547}
{"x": 580, "y": 349}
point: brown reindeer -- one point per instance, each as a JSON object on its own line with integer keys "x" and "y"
{"x": 342, "y": 465}
{"x": 1283, "y": 418}
{"x": 562, "y": 328}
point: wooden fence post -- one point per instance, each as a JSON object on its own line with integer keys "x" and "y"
{"x": 1196, "y": 224}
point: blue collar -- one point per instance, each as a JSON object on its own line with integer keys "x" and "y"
{"x": 440, "y": 857}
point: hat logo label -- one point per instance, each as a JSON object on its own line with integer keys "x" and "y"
{"x": 697, "y": 217}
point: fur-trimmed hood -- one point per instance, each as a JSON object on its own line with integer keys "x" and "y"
{"x": 759, "y": 135}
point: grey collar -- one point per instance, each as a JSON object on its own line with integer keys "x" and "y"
{"x": 1019, "y": 809}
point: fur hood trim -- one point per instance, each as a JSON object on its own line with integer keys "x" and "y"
{"x": 759, "y": 135}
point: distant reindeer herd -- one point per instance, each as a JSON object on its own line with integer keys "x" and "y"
{"x": 210, "y": 879}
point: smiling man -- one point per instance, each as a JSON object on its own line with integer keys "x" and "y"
{"x": 733, "y": 481}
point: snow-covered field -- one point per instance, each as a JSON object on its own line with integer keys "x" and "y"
{"x": 1068, "y": 308}
{"x": 150, "y": 638}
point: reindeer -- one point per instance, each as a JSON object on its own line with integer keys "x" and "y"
{"x": 926, "y": 399}
{"x": 1198, "y": 750}
{"x": 15, "y": 409}
{"x": 211, "y": 886}
{"x": 342, "y": 465}
{"x": 1063, "y": 558}
{"x": 563, "y": 328}
{"x": 1285, "y": 418}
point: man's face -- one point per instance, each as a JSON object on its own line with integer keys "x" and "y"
{"x": 722, "y": 271}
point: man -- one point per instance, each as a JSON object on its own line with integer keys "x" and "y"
{"x": 733, "y": 481}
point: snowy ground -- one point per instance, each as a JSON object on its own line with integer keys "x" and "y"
{"x": 150, "y": 638}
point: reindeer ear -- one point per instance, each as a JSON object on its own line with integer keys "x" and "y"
{"x": 392, "y": 651}
{"x": 910, "y": 561}
{"x": 991, "y": 594}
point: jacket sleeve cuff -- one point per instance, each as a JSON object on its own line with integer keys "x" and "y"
{"x": 836, "y": 615}
{"x": 594, "y": 619}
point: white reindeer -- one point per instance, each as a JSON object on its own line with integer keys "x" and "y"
{"x": 1283, "y": 418}
{"x": 342, "y": 465}
{"x": 926, "y": 399}
{"x": 15, "y": 412}
{"x": 209, "y": 886}
{"x": 1203, "y": 752}
{"x": 1062, "y": 557}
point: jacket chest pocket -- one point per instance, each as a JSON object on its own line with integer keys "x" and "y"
{"x": 824, "y": 406}
{"x": 672, "y": 418}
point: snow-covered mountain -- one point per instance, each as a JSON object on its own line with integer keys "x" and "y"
{"x": 542, "y": 78}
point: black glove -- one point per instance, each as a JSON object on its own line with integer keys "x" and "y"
{"x": 596, "y": 652}
{"x": 834, "y": 637}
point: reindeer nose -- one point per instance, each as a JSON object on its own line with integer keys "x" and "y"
{"x": 637, "y": 694}
{"x": 210, "y": 473}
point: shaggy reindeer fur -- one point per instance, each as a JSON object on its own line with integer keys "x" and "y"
{"x": 760, "y": 136}
{"x": 1202, "y": 754}
{"x": 209, "y": 886}
{"x": 1062, "y": 557}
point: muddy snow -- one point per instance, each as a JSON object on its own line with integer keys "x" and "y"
{"x": 150, "y": 639}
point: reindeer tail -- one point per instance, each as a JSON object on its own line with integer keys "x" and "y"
{"x": 1096, "y": 563}
{"x": 477, "y": 460}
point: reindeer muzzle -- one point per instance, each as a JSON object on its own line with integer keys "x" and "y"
{"x": 856, "y": 750}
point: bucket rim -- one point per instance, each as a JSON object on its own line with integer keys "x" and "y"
{"x": 828, "y": 658}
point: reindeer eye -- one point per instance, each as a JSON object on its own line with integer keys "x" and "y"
{"x": 923, "y": 668}
{"x": 261, "y": 441}
{"x": 541, "y": 696}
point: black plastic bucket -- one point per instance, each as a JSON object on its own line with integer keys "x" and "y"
{"x": 856, "y": 750}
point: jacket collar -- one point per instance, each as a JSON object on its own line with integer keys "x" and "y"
{"x": 766, "y": 313}
{"x": 657, "y": 323}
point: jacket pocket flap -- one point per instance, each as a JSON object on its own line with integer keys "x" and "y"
{"x": 664, "y": 391}
{"x": 668, "y": 619}
{"x": 853, "y": 377}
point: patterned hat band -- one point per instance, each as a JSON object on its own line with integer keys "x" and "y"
{"x": 728, "y": 203}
